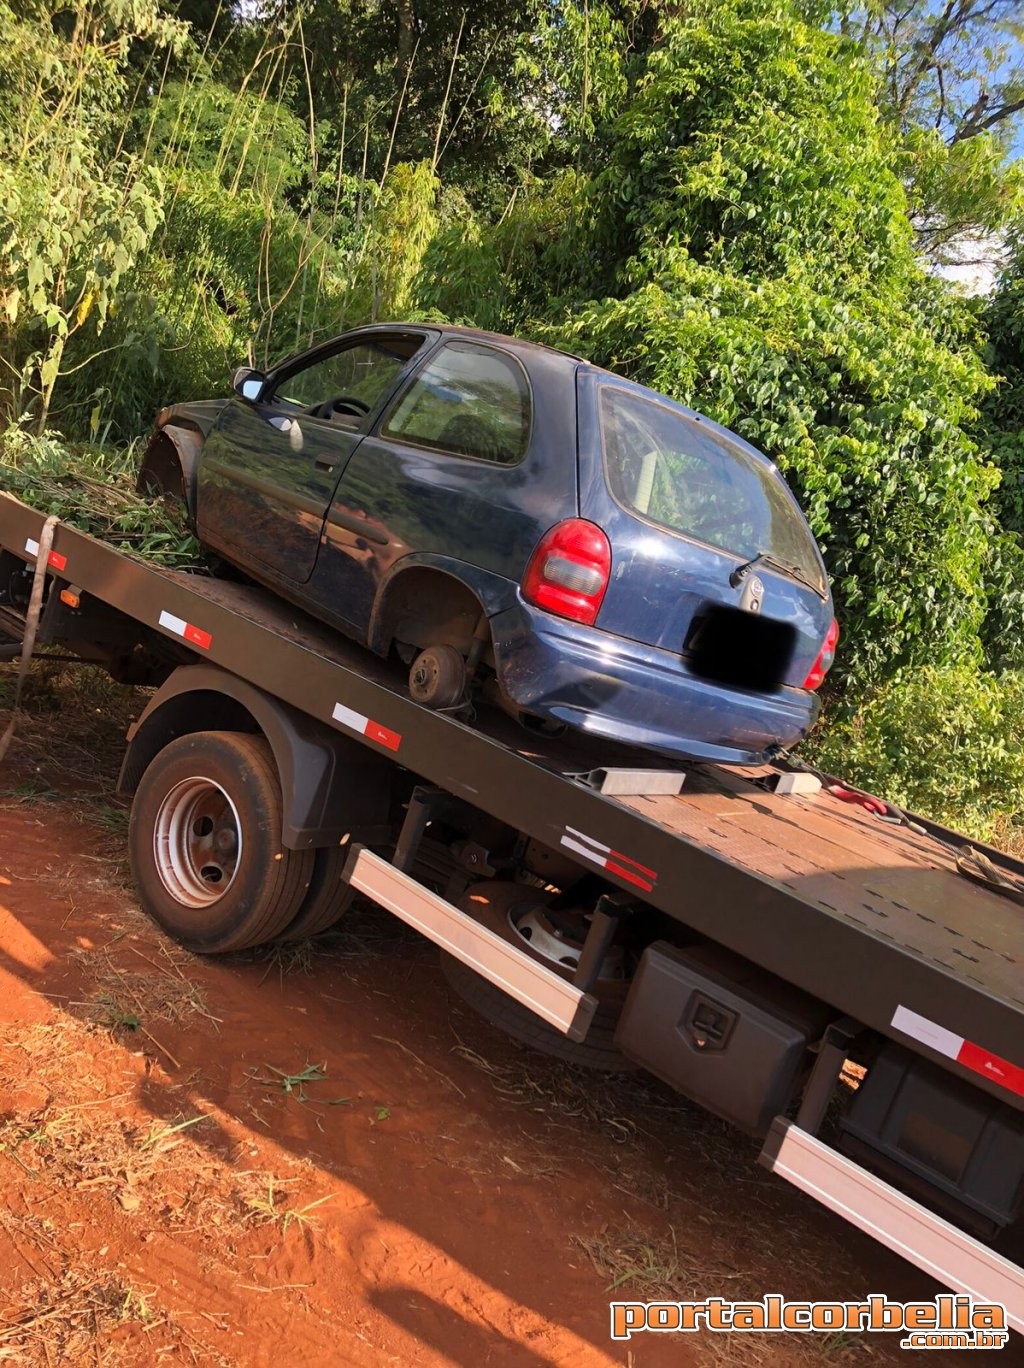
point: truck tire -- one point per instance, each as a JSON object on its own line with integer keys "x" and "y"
{"x": 597, "y": 1051}
{"x": 327, "y": 897}
{"x": 204, "y": 843}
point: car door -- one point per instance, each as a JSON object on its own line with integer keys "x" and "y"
{"x": 270, "y": 464}
{"x": 456, "y": 469}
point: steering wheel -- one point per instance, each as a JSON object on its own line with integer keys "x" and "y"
{"x": 342, "y": 404}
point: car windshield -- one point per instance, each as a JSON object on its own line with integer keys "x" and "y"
{"x": 680, "y": 473}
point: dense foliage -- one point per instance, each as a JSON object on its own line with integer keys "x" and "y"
{"x": 942, "y": 741}
{"x": 737, "y": 202}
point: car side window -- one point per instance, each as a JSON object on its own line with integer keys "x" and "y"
{"x": 470, "y": 400}
{"x": 364, "y": 371}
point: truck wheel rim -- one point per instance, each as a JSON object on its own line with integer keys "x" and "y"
{"x": 534, "y": 927}
{"x": 197, "y": 842}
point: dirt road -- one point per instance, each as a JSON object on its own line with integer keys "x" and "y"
{"x": 315, "y": 1155}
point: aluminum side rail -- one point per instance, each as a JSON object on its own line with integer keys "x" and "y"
{"x": 956, "y": 1260}
{"x": 546, "y": 994}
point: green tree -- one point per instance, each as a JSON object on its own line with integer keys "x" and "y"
{"x": 1004, "y": 412}
{"x": 72, "y": 224}
{"x": 956, "y": 66}
{"x": 1002, "y": 430}
{"x": 748, "y": 249}
{"x": 951, "y": 82}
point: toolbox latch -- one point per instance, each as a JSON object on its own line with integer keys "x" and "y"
{"x": 708, "y": 1024}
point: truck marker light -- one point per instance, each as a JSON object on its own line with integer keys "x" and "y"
{"x": 971, "y": 1056}
{"x": 365, "y": 726}
{"x": 611, "y": 860}
{"x": 55, "y": 559}
{"x": 195, "y": 636}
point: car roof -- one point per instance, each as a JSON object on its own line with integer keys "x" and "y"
{"x": 456, "y": 330}
{"x": 520, "y": 344}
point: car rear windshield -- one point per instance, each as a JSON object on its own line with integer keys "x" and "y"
{"x": 680, "y": 473}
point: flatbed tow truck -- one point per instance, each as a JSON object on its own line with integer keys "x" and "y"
{"x": 743, "y": 944}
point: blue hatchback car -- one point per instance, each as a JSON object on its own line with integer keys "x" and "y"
{"x": 512, "y": 520}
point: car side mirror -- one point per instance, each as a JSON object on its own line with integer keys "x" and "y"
{"x": 248, "y": 383}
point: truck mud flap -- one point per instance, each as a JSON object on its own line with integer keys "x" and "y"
{"x": 551, "y": 997}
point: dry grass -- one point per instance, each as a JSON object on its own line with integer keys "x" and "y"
{"x": 366, "y": 931}
{"x": 128, "y": 998}
{"x": 266, "y": 1205}
{"x": 98, "y": 1148}
{"x": 1008, "y": 835}
{"x": 650, "y": 1268}
{"x": 70, "y": 1319}
{"x": 70, "y": 737}
{"x": 615, "y": 1104}
{"x": 639, "y": 1265}
{"x": 65, "y": 1313}
{"x": 282, "y": 959}
{"x": 127, "y": 1001}
{"x": 160, "y": 1172}
{"x": 178, "y": 1169}
{"x": 673, "y": 1158}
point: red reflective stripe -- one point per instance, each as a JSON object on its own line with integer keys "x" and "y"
{"x": 197, "y": 637}
{"x": 58, "y": 561}
{"x": 628, "y": 875}
{"x": 1001, "y": 1071}
{"x": 382, "y": 735}
{"x": 628, "y": 859}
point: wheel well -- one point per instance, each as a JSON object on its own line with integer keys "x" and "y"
{"x": 200, "y": 710}
{"x": 161, "y": 471}
{"x": 169, "y": 465}
{"x": 331, "y": 784}
{"x": 427, "y": 607}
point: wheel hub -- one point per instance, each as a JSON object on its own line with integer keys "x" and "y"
{"x": 438, "y": 677}
{"x": 197, "y": 842}
{"x": 424, "y": 676}
{"x": 552, "y": 942}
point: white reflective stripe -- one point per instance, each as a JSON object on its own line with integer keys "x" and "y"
{"x": 348, "y": 718}
{"x": 32, "y": 547}
{"x": 582, "y": 836}
{"x": 172, "y": 623}
{"x": 594, "y": 856}
{"x": 929, "y": 1033}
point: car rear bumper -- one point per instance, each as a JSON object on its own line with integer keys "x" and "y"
{"x": 636, "y": 694}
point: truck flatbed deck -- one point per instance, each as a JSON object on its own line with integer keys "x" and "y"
{"x": 871, "y": 918}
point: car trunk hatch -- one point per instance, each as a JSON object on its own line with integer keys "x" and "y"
{"x": 696, "y": 519}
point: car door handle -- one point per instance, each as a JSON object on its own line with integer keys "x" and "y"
{"x": 327, "y": 466}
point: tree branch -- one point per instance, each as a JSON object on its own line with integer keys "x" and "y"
{"x": 973, "y": 126}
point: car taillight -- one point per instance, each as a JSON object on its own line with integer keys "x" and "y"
{"x": 568, "y": 573}
{"x": 826, "y": 655}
